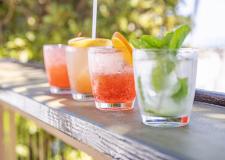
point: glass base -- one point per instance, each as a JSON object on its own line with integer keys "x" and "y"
{"x": 57, "y": 90}
{"x": 114, "y": 106}
{"x": 82, "y": 97}
{"x": 165, "y": 121}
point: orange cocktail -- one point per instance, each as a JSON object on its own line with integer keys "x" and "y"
{"x": 55, "y": 65}
{"x": 77, "y": 63}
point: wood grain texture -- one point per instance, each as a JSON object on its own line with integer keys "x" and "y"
{"x": 120, "y": 135}
{"x": 60, "y": 135}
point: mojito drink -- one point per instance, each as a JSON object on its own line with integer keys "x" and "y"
{"x": 165, "y": 78}
{"x": 165, "y": 95}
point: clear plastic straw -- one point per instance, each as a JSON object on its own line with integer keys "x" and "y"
{"x": 94, "y": 18}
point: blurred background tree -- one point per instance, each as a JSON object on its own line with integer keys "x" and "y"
{"x": 26, "y": 25}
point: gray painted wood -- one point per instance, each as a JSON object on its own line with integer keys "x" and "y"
{"x": 120, "y": 135}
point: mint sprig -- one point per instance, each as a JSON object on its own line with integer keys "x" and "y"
{"x": 138, "y": 43}
{"x": 163, "y": 68}
{"x": 178, "y": 38}
{"x": 182, "y": 89}
{"x": 171, "y": 42}
{"x": 141, "y": 89}
{"x": 153, "y": 42}
{"x": 158, "y": 78}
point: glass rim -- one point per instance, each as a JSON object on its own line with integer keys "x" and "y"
{"x": 54, "y": 45}
{"x": 103, "y": 50}
{"x": 73, "y": 49}
{"x": 102, "y": 47}
{"x": 164, "y": 49}
{"x": 182, "y": 53}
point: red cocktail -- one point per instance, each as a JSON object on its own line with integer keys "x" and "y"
{"x": 112, "y": 79}
{"x": 114, "y": 88}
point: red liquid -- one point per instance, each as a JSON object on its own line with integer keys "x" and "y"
{"x": 57, "y": 76}
{"x": 55, "y": 65}
{"x": 185, "y": 119}
{"x": 113, "y": 88}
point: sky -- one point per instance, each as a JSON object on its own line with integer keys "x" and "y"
{"x": 209, "y": 23}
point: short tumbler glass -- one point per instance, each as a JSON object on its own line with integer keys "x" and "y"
{"x": 77, "y": 64}
{"x": 55, "y": 65}
{"x": 165, "y": 85}
{"x": 112, "y": 79}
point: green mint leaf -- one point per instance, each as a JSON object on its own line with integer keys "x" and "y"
{"x": 178, "y": 38}
{"x": 138, "y": 43}
{"x": 153, "y": 42}
{"x": 167, "y": 63}
{"x": 182, "y": 89}
{"x": 172, "y": 40}
{"x": 166, "y": 39}
{"x": 158, "y": 78}
{"x": 164, "y": 67}
{"x": 141, "y": 89}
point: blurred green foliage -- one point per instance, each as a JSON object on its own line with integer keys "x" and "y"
{"x": 32, "y": 142}
{"x": 25, "y": 25}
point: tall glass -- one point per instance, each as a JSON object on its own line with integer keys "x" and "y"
{"x": 165, "y": 85}
{"x": 77, "y": 64}
{"x": 55, "y": 65}
{"x": 112, "y": 79}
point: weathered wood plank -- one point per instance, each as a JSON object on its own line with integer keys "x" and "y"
{"x": 93, "y": 135}
{"x": 120, "y": 135}
{"x": 59, "y": 134}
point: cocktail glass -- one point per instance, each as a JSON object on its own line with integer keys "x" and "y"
{"x": 77, "y": 64}
{"x": 165, "y": 85}
{"x": 55, "y": 65}
{"x": 112, "y": 79}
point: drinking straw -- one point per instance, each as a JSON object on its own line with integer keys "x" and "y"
{"x": 94, "y": 18}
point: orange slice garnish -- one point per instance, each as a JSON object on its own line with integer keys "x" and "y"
{"x": 120, "y": 43}
{"x": 122, "y": 38}
{"x": 88, "y": 42}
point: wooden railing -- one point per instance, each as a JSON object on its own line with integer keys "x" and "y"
{"x": 8, "y": 152}
{"x": 110, "y": 135}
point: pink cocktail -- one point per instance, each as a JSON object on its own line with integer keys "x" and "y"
{"x": 55, "y": 65}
